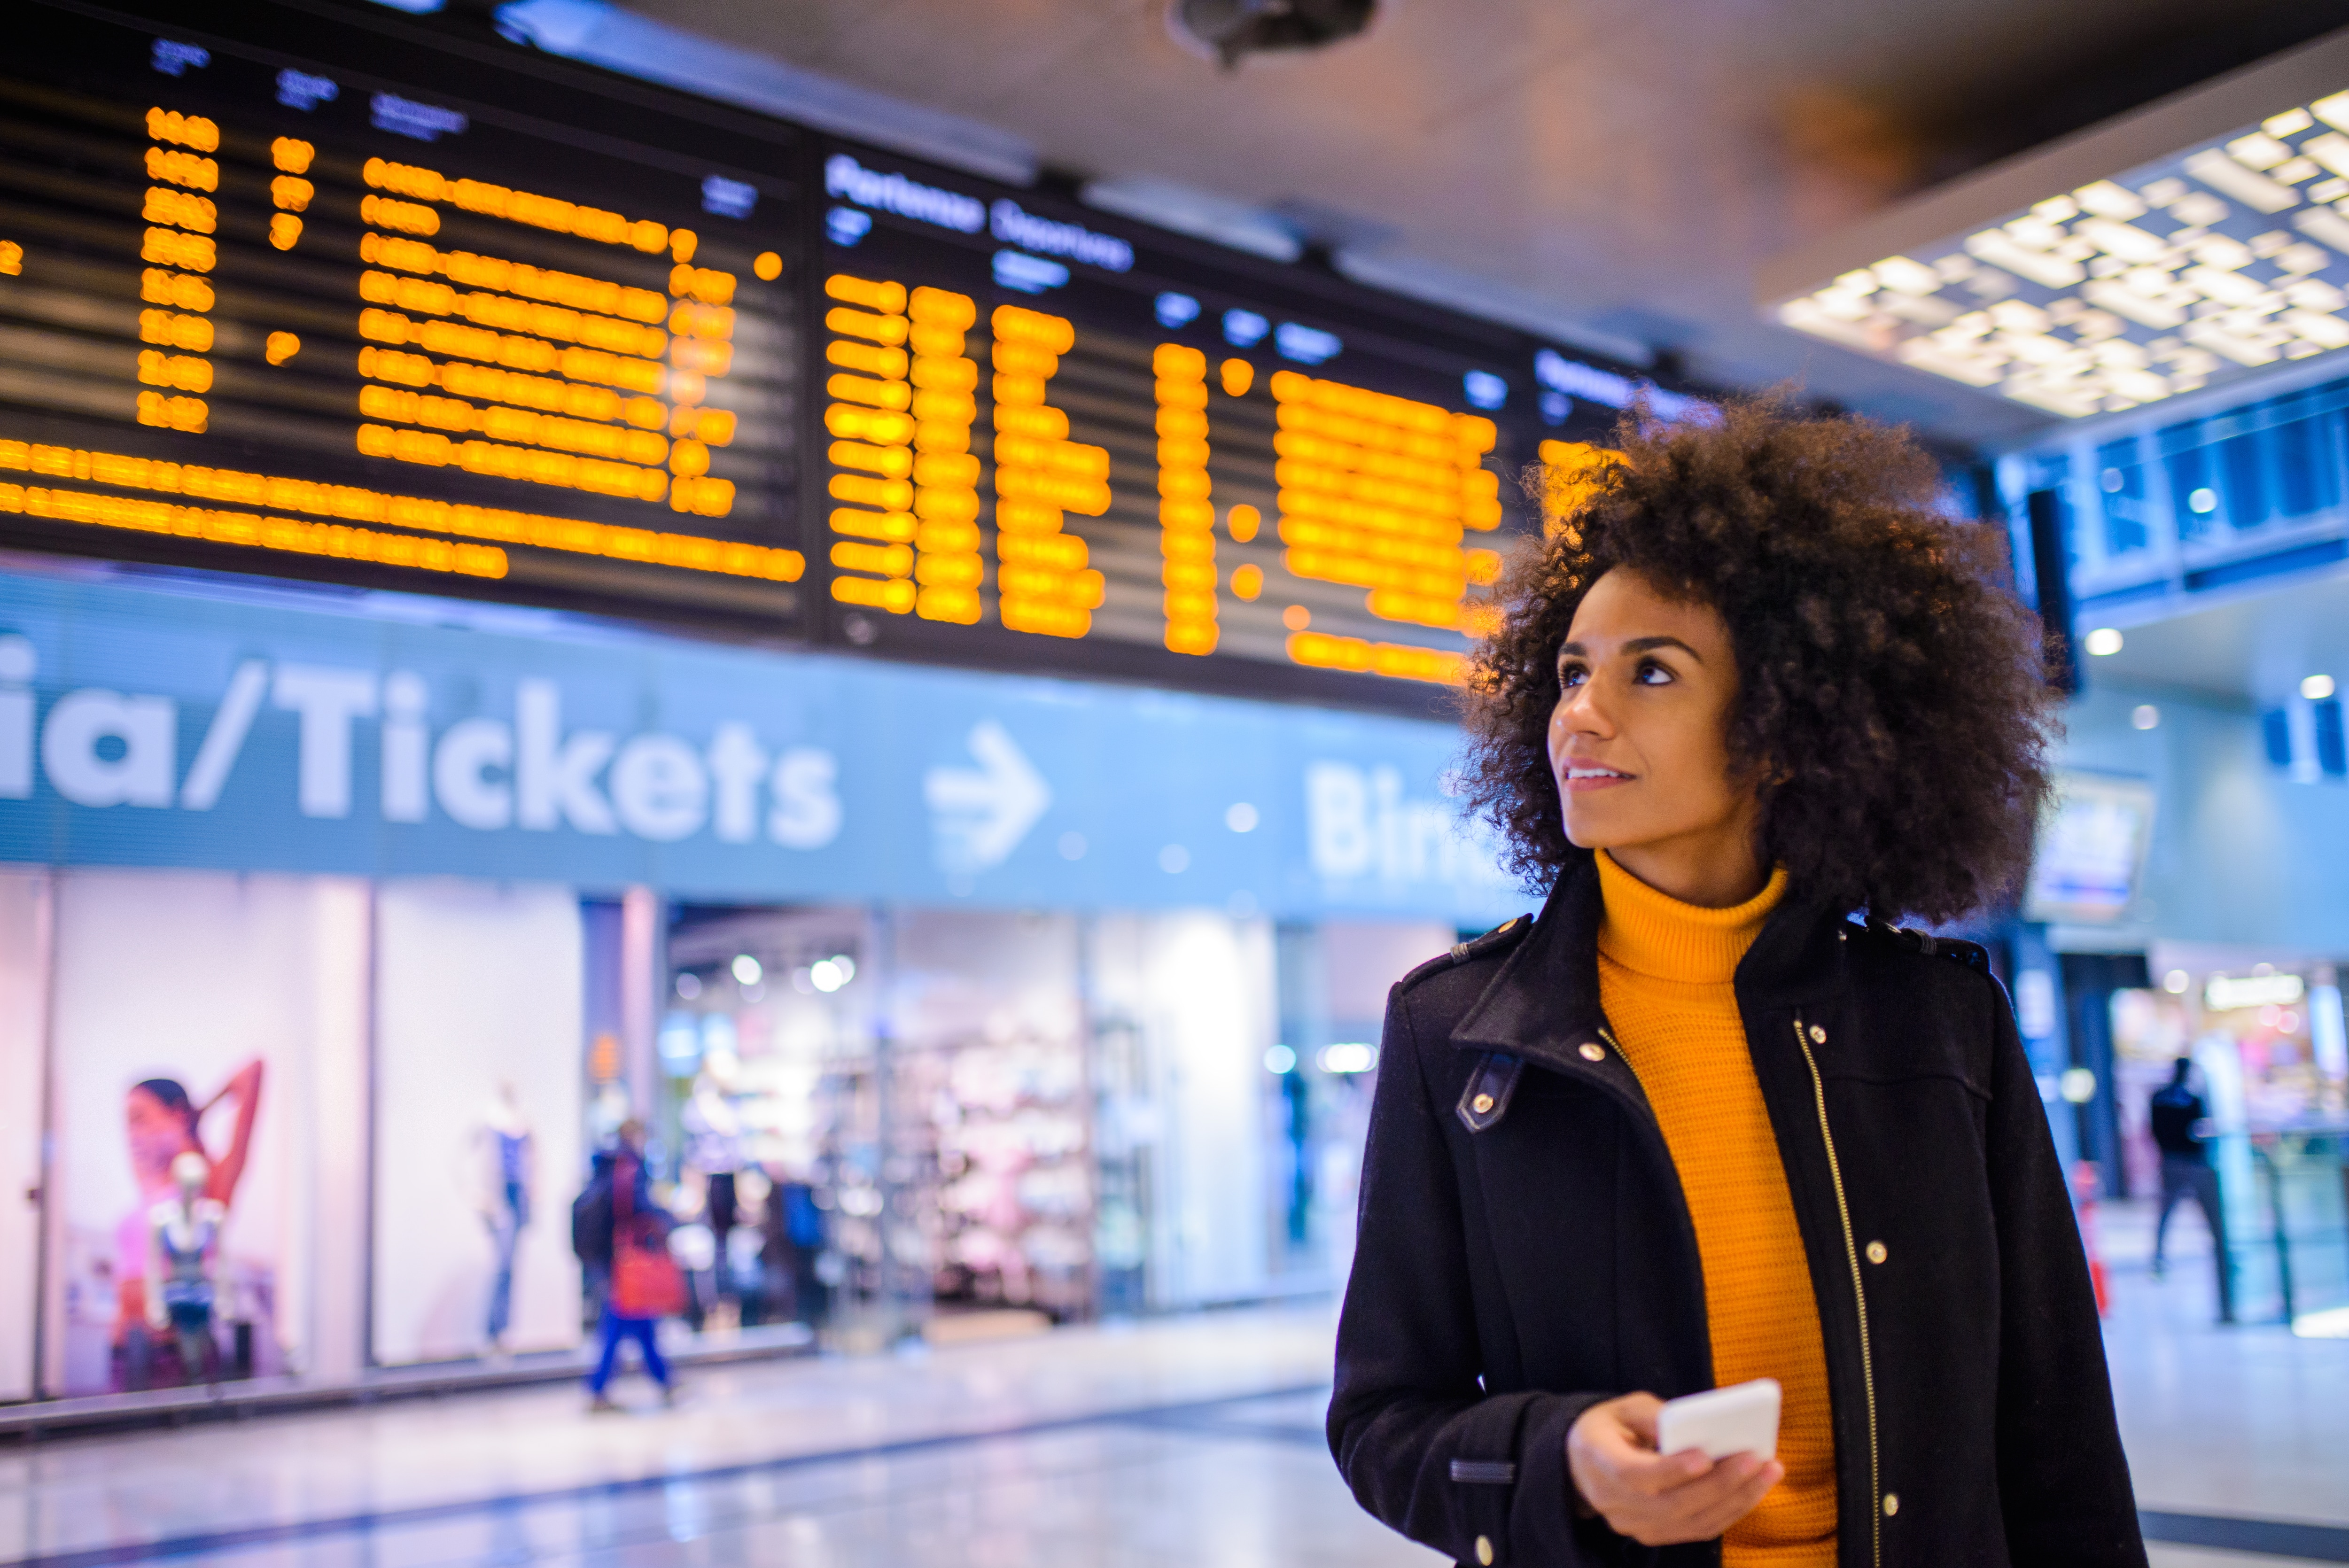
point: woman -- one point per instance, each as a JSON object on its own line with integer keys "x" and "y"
{"x": 1700, "y": 1123}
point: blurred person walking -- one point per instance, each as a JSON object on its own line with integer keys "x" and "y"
{"x": 1694, "y": 1124}
{"x": 621, "y": 1237}
{"x": 2179, "y": 1115}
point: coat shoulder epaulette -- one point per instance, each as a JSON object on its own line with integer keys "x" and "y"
{"x": 1500, "y": 939}
{"x": 1972, "y": 955}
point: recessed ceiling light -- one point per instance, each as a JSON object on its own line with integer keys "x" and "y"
{"x": 2102, "y": 642}
{"x": 2145, "y": 716}
{"x": 2316, "y": 689}
{"x": 2123, "y": 292}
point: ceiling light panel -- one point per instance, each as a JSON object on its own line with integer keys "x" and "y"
{"x": 2189, "y": 272}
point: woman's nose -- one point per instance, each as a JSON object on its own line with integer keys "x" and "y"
{"x": 1580, "y": 712}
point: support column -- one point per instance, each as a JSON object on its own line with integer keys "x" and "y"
{"x": 643, "y": 951}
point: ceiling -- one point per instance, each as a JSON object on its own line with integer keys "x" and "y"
{"x": 1629, "y": 164}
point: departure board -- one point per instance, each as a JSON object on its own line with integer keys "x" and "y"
{"x": 331, "y": 292}
{"x": 1041, "y": 423}
{"x": 287, "y": 318}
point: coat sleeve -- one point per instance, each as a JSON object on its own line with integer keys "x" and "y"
{"x": 2064, "y": 1480}
{"x": 1419, "y": 1442}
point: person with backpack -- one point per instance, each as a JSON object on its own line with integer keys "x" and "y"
{"x": 621, "y": 1237}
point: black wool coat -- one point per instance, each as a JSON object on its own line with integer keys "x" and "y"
{"x": 1525, "y": 1251}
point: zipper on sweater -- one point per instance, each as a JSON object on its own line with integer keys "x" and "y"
{"x": 1860, "y": 1296}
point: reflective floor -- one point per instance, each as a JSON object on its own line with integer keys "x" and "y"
{"x": 1185, "y": 1441}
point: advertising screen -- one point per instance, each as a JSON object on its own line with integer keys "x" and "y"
{"x": 2092, "y": 848}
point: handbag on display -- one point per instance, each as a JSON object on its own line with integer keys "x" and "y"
{"x": 646, "y": 1281}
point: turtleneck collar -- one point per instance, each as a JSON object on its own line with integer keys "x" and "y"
{"x": 1655, "y": 933}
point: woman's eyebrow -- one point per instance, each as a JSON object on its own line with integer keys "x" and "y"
{"x": 1633, "y": 645}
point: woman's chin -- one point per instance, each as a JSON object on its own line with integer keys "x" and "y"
{"x": 1589, "y": 830}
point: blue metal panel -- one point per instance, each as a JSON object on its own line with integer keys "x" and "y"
{"x": 2275, "y": 728}
{"x": 2331, "y": 756}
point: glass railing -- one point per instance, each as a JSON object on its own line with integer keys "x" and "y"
{"x": 2286, "y": 1194}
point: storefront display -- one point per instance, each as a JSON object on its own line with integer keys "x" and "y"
{"x": 478, "y": 1118}
{"x": 966, "y": 998}
{"x": 768, "y": 1057}
{"x": 197, "y": 1013}
{"x": 2264, "y": 1039}
{"x": 2255, "y": 1037}
{"x": 24, "y": 938}
{"x": 989, "y": 1135}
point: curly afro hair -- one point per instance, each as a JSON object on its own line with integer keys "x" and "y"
{"x": 1893, "y": 710}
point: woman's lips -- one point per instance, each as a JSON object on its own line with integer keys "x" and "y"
{"x": 1581, "y": 781}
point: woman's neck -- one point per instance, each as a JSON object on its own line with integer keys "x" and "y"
{"x": 1713, "y": 870}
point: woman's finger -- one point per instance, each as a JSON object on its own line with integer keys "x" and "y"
{"x": 1740, "y": 1500}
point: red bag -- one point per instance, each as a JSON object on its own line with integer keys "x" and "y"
{"x": 646, "y": 1281}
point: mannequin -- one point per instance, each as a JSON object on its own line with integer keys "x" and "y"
{"x": 506, "y": 1158}
{"x": 162, "y": 1122}
{"x": 713, "y": 1149}
{"x": 182, "y": 1262}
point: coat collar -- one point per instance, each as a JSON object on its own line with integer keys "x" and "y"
{"x": 1544, "y": 1002}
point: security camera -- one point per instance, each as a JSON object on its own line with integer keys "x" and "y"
{"x": 1226, "y": 30}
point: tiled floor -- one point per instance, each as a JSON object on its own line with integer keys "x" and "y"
{"x": 1187, "y": 1441}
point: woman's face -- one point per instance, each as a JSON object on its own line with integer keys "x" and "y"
{"x": 158, "y": 1135}
{"x": 1639, "y": 739}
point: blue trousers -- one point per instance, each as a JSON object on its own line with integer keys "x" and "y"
{"x": 615, "y": 1329}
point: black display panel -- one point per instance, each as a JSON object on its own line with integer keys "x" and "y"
{"x": 1037, "y": 424}
{"x": 326, "y": 290}
{"x": 284, "y": 314}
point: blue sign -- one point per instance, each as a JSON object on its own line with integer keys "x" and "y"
{"x": 142, "y": 727}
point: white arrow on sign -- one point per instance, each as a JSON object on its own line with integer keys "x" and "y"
{"x": 981, "y": 813}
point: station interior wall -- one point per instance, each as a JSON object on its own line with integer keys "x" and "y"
{"x": 2243, "y": 854}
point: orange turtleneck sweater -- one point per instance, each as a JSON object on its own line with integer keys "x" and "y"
{"x": 1664, "y": 979}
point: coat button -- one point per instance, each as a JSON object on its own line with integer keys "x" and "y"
{"x": 1482, "y": 1105}
{"x": 1818, "y": 1036}
{"x": 1593, "y": 1052}
{"x": 1891, "y": 1503}
{"x": 1485, "y": 1551}
{"x": 1878, "y": 1253}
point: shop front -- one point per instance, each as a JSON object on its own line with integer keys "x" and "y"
{"x": 2265, "y": 1050}
{"x": 949, "y": 1000}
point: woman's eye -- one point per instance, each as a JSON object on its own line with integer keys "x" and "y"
{"x": 1652, "y": 674}
{"x": 1571, "y": 677}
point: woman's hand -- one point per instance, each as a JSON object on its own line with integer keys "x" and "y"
{"x": 1655, "y": 1499}
{"x": 244, "y": 1087}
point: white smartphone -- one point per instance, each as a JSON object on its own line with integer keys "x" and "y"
{"x": 1742, "y": 1419}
